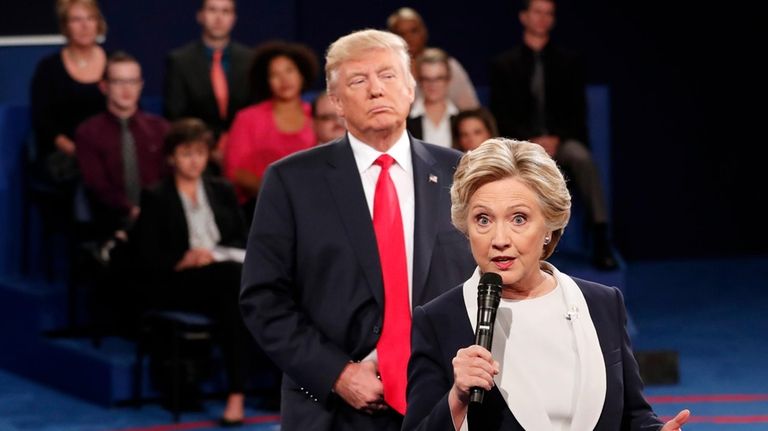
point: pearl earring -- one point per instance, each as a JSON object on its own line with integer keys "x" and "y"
{"x": 547, "y": 240}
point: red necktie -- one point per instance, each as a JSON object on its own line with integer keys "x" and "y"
{"x": 394, "y": 346}
{"x": 219, "y": 83}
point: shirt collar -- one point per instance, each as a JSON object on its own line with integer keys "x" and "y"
{"x": 365, "y": 155}
{"x": 417, "y": 109}
{"x": 118, "y": 120}
{"x": 209, "y": 51}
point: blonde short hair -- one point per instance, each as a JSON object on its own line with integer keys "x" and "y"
{"x": 354, "y": 44}
{"x": 433, "y": 56}
{"x": 406, "y": 13}
{"x": 497, "y": 159}
{"x": 62, "y": 12}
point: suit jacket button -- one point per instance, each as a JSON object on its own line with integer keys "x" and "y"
{"x": 376, "y": 329}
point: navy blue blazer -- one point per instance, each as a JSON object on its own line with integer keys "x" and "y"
{"x": 312, "y": 292}
{"x": 442, "y": 327}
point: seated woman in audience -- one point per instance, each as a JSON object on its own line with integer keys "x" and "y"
{"x": 279, "y": 124}
{"x": 471, "y": 128}
{"x": 408, "y": 24}
{"x": 432, "y": 111}
{"x": 190, "y": 237}
{"x": 65, "y": 91}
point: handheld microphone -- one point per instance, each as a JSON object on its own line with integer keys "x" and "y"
{"x": 488, "y": 297}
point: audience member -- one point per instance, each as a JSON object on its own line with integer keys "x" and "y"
{"x": 280, "y": 123}
{"x": 120, "y": 151}
{"x": 432, "y": 111}
{"x": 327, "y": 123}
{"x": 538, "y": 94}
{"x": 64, "y": 92}
{"x": 337, "y": 257}
{"x": 408, "y": 24}
{"x": 190, "y": 237}
{"x": 473, "y": 127}
{"x": 560, "y": 355}
{"x": 208, "y": 78}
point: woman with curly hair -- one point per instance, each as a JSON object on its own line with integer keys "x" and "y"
{"x": 280, "y": 123}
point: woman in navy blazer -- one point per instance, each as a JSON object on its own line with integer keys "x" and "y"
{"x": 560, "y": 356}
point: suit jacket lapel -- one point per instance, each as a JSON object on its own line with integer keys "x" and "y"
{"x": 427, "y": 185}
{"x": 592, "y": 374}
{"x": 347, "y": 191}
{"x": 177, "y": 217}
{"x": 203, "y": 73}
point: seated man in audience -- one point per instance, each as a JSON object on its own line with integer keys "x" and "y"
{"x": 208, "y": 78}
{"x": 327, "y": 123}
{"x": 120, "y": 151}
{"x": 408, "y": 24}
{"x": 432, "y": 111}
{"x": 538, "y": 94}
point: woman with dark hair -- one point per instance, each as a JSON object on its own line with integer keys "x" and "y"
{"x": 190, "y": 237}
{"x": 472, "y": 127}
{"x": 279, "y": 124}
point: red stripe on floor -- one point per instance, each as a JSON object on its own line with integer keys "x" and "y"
{"x": 754, "y": 419}
{"x": 725, "y": 398}
{"x": 204, "y": 424}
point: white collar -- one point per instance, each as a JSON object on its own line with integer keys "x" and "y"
{"x": 365, "y": 155}
{"x": 518, "y": 390}
{"x": 417, "y": 108}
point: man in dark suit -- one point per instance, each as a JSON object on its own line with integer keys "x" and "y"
{"x": 537, "y": 93}
{"x": 208, "y": 78}
{"x": 323, "y": 279}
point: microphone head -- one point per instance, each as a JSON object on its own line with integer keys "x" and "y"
{"x": 490, "y": 278}
{"x": 489, "y": 290}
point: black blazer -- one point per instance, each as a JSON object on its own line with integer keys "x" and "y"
{"x": 512, "y": 102}
{"x": 312, "y": 292}
{"x": 442, "y": 327}
{"x": 161, "y": 235}
{"x": 414, "y": 126}
{"x": 188, "y": 90}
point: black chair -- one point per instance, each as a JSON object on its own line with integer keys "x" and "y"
{"x": 179, "y": 345}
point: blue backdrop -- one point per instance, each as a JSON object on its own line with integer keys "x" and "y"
{"x": 687, "y": 150}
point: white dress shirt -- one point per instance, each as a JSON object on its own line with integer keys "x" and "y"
{"x": 440, "y": 133}
{"x": 401, "y": 173}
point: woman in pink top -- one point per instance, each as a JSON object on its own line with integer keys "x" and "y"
{"x": 279, "y": 124}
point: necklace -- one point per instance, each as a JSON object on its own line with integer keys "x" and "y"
{"x": 80, "y": 62}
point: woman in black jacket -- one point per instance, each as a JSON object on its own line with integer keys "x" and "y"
{"x": 190, "y": 237}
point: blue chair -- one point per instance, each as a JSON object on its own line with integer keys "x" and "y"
{"x": 180, "y": 346}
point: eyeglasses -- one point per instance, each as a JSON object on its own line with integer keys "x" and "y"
{"x": 131, "y": 82}
{"x": 433, "y": 79}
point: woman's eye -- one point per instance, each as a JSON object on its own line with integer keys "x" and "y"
{"x": 518, "y": 219}
{"x": 483, "y": 220}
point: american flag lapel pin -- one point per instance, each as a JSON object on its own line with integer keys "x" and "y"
{"x": 433, "y": 178}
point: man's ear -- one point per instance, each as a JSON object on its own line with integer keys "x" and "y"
{"x": 337, "y": 105}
